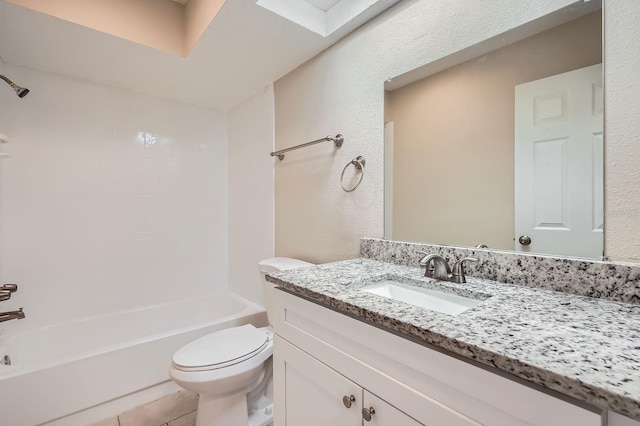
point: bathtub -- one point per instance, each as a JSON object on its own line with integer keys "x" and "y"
{"x": 65, "y": 368}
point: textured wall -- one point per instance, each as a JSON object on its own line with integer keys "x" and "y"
{"x": 250, "y": 192}
{"x": 111, "y": 200}
{"x": 341, "y": 90}
{"x": 622, "y": 129}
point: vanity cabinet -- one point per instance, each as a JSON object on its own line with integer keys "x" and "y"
{"x": 316, "y": 395}
{"x": 382, "y": 413}
{"x": 322, "y": 356}
{"x": 312, "y": 392}
{"x": 615, "y": 419}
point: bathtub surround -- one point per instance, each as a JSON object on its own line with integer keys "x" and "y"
{"x": 341, "y": 90}
{"x": 251, "y": 210}
{"x": 559, "y": 341}
{"x": 111, "y": 200}
{"x": 614, "y": 281}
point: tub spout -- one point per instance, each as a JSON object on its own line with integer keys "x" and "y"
{"x": 8, "y": 316}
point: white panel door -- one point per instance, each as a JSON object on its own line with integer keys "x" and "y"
{"x": 311, "y": 394}
{"x": 559, "y": 164}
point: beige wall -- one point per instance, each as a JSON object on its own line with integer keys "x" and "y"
{"x": 161, "y": 24}
{"x": 341, "y": 90}
{"x": 453, "y": 172}
{"x": 197, "y": 17}
{"x": 158, "y": 24}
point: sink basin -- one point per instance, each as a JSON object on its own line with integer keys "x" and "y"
{"x": 436, "y": 300}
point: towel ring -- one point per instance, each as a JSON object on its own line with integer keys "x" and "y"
{"x": 358, "y": 163}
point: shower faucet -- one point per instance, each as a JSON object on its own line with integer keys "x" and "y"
{"x": 12, "y": 288}
{"x": 6, "y": 290}
{"x": 5, "y": 294}
{"x": 8, "y": 316}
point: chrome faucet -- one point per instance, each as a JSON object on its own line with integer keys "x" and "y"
{"x": 8, "y": 316}
{"x": 437, "y": 267}
{"x": 5, "y": 294}
{"x": 6, "y": 290}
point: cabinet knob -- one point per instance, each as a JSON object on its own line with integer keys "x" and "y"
{"x": 367, "y": 413}
{"x": 348, "y": 400}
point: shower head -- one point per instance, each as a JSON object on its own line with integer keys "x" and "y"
{"x": 20, "y": 91}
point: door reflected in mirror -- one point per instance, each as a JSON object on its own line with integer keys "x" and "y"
{"x": 504, "y": 150}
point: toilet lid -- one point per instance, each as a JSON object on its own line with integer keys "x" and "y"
{"x": 225, "y": 347}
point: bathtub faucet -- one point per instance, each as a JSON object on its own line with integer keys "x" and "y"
{"x": 6, "y": 290}
{"x": 8, "y": 316}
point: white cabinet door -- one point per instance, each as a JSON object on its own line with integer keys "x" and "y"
{"x": 309, "y": 393}
{"x": 615, "y": 419}
{"x": 384, "y": 414}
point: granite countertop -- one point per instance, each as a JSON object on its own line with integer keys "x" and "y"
{"x": 585, "y": 348}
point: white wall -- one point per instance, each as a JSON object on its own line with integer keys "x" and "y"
{"x": 341, "y": 90}
{"x": 622, "y": 129}
{"x": 250, "y": 192}
{"x": 111, "y": 199}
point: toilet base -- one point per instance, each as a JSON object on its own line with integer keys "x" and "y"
{"x": 231, "y": 410}
{"x": 225, "y": 411}
{"x": 262, "y": 417}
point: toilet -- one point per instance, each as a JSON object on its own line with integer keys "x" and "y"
{"x": 231, "y": 369}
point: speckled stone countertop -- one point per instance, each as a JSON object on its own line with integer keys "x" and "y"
{"x": 585, "y": 348}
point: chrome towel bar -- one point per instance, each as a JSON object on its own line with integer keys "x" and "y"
{"x": 337, "y": 140}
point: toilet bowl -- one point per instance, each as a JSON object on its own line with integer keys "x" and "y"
{"x": 231, "y": 370}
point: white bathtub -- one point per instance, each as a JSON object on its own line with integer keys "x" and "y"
{"x": 65, "y": 368}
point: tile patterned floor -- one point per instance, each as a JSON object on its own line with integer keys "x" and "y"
{"x": 178, "y": 409}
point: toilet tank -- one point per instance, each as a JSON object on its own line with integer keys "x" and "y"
{"x": 274, "y": 264}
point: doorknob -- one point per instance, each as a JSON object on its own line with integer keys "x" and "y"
{"x": 525, "y": 240}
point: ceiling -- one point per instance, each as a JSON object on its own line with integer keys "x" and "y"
{"x": 245, "y": 48}
{"x": 320, "y": 4}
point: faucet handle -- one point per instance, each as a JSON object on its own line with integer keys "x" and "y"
{"x": 9, "y": 287}
{"x": 424, "y": 254}
{"x": 430, "y": 267}
{"x": 5, "y": 295}
{"x": 458, "y": 269}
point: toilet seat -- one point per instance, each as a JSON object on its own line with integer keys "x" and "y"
{"x": 222, "y": 349}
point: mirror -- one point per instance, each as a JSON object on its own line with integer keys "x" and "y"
{"x": 502, "y": 144}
